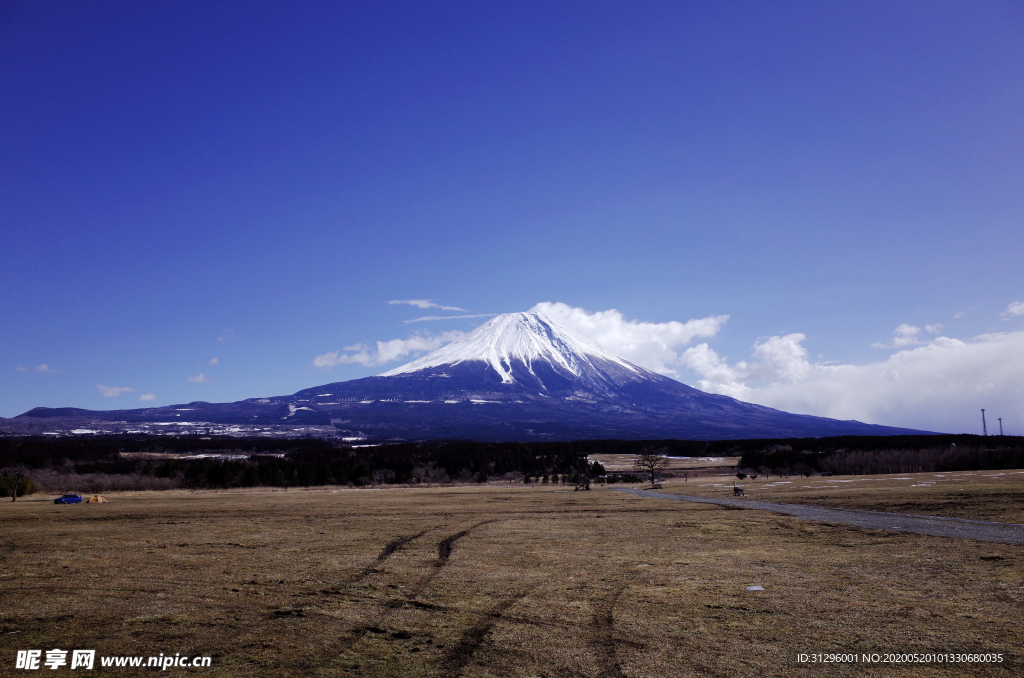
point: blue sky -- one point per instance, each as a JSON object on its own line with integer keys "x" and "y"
{"x": 253, "y": 182}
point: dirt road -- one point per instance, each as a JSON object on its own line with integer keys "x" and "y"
{"x": 1006, "y": 533}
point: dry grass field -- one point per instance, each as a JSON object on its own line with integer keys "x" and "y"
{"x": 975, "y": 495}
{"x": 492, "y": 581}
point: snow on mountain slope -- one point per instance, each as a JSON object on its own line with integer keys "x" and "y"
{"x": 515, "y": 341}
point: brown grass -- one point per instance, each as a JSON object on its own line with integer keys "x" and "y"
{"x": 975, "y": 495}
{"x": 492, "y": 581}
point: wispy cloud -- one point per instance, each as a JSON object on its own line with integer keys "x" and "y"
{"x": 227, "y": 335}
{"x": 1016, "y": 308}
{"x": 213, "y": 362}
{"x": 425, "y": 303}
{"x": 385, "y": 351}
{"x": 44, "y": 368}
{"x": 448, "y": 317}
{"x": 959, "y": 314}
{"x": 147, "y": 396}
{"x": 200, "y": 379}
{"x": 655, "y": 346}
{"x": 113, "y": 391}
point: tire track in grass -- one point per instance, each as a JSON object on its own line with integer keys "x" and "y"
{"x": 603, "y": 638}
{"x": 396, "y": 544}
{"x": 388, "y": 550}
{"x": 458, "y": 656}
{"x": 444, "y": 552}
{"x": 444, "y": 547}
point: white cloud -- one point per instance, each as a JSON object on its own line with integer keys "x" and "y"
{"x": 147, "y": 396}
{"x": 938, "y": 386}
{"x": 200, "y": 379}
{"x": 113, "y": 391}
{"x": 227, "y": 335}
{"x": 1016, "y": 308}
{"x": 448, "y": 317}
{"x": 44, "y": 368}
{"x": 213, "y": 362}
{"x": 425, "y": 303}
{"x": 959, "y": 314}
{"x": 907, "y": 335}
{"x": 652, "y": 345}
{"x": 385, "y": 351}
{"x": 933, "y": 329}
{"x": 780, "y": 357}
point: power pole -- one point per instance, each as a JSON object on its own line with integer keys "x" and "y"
{"x": 984, "y": 429}
{"x": 1000, "y": 426}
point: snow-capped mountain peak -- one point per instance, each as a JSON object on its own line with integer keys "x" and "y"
{"x": 519, "y": 376}
{"x": 518, "y": 341}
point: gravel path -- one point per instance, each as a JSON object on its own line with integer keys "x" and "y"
{"x": 1007, "y": 533}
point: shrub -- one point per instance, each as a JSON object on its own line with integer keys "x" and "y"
{"x": 25, "y": 485}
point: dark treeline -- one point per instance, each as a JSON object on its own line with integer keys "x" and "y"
{"x": 253, "y": 462}
{"x": 860, "y": 455}
{"x": 120, "y": 462}
{"x": 38, "y": 452}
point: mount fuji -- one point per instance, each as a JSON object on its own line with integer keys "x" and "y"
{"x": 520, "y": 376}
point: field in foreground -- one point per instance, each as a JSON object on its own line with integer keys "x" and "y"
{"x": 492, "y": 581}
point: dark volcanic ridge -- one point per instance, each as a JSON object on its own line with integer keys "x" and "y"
{"x": 520, "y": 376}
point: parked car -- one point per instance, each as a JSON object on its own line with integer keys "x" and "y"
{"x": 68, "y": 499}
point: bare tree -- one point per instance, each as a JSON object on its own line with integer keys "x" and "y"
{"x": 650, "y": 461}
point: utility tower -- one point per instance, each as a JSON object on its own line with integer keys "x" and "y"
{"x": 1000, "y": 426}
{"x": 984, "y": 429}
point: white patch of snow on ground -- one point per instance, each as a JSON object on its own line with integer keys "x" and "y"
{"x": 292, "y": 409}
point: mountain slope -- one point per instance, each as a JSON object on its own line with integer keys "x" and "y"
{"x": 520, "y": 376}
